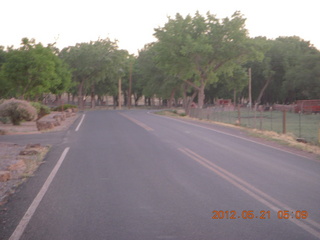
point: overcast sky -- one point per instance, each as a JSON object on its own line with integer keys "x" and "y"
{"x": 132, "y": 22}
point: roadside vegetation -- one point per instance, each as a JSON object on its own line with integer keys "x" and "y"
{"x": 288, "y": 139}
{"x": 194, "y": 60}
{"x": 17, "y": 111}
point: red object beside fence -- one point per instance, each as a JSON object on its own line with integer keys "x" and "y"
{"x": 307, "y": 106}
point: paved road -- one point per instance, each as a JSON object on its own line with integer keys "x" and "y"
{"x": 134, "y": 175}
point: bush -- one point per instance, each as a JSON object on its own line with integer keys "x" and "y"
{"x": 64, "y": 107}
{"x": 4, "y": 120}
{"x": 42, "y": 110}
{"x": 17, "y": 111}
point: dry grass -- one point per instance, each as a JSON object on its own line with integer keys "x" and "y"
{"x": 33, "y": 162}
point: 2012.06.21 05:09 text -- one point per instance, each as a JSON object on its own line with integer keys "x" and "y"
{"x": 263, "y": 214}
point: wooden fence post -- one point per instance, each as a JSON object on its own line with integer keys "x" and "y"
{"x": 284, "y": 121}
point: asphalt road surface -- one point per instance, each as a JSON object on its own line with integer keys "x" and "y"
{"x": 124, "y": 175}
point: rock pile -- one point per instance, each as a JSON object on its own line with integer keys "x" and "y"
{"x": 54, "y": 119}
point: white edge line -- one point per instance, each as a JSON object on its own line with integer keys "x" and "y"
{"x": 33, "y": 207}
{"x": 232, "y": 135}
{"x": 77, "y": 129}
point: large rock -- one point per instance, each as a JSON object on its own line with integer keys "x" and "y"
{"x": 54, "y": 119}
{"x": 4, "y": 176}
{"x": 28, "y": 152}
{"x": 44, "y": 125}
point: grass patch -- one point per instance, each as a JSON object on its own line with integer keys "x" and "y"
{"x": 305, "y": 126}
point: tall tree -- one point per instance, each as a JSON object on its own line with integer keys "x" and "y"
{"x": 154, "y": 79}
{"x": 197, "y": 48}
{"x": 32, "y": 70}
{"x": 3, "y": 83}
{"x": 287, "y": 72}
{"x": 90, "y": 63}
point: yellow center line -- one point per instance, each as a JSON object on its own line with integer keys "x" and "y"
{"x": 137, "y": 122}
{"x": 252, "y": 191}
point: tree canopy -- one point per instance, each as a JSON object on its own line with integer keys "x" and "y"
{"x": 196, "y": 49}
{"x": 194, "y": 58}
{"x": 32, "y": 70}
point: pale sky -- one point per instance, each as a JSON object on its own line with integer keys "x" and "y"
{"x": 132, "y": 22}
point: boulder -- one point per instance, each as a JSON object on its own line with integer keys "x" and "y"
{"x": 4, "y": 176}
{"x": 28, "y": 152}
{"x": 44, "y": 125}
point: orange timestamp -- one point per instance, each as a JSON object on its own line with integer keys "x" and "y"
{"x": 263, "y": 214}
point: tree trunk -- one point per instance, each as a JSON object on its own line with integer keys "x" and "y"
{"x": 80, "y": 96}
{"x": 184, "y": 93}
{"x": 189, "y": 102}
{"x": 93, "y": 102}
{"x": 201, "y": 96}
{"x": 130, "y": 87}
{"x": 258, "y": 101}
{"x": 68, "y": 97}
{"x": 115, "y": 102}
{"x": 171, "y": 97}
{"x": 125, "y": 96}
{"x": 136, "y": 99}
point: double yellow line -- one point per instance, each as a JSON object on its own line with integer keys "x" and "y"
{"x": 252, "y": 191}
{"x": 137, "y": 122}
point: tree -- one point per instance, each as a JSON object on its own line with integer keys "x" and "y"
{"x": 91, "y": 63}
{"x": 287, "y": 72}
{"x": 32, "y": 70}
{"x": 149, "y": 75}
{"x": 154, "y": 80}
{"x": 3, "y": 83}
{"x": 234, "y": 82}
{"x": 196, "y": 49}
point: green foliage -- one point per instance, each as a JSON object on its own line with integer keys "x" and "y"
{"x": 289, "y": 71}
{"x": 42, "y": 110}
{"x": 64, "y": 107}
{"x": 4, "y": 120}
{"x": 196, "y": 49}
{"x": 17, "y": 111}
{"x": 153, "y": 79}
{"x": 32, "y": 70}
{"x": 96, "y": 66}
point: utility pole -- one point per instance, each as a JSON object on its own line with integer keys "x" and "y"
{"x": 250, "y": 96}
{"x": 119, "y": 93}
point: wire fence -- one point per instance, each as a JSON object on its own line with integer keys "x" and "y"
{"x": 304, "y": 127}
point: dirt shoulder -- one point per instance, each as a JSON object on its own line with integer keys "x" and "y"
{"x": 18, "y": 162}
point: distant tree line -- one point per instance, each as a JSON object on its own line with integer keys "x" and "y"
{"x": 194, "y": 58}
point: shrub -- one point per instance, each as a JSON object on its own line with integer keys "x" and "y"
{"x": 4, "y": 120}
{"x": 64, "y": 107}
{"x": 42, "y": 110}
{"x": 17, "y": 111}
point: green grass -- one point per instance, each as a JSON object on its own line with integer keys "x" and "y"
{"x": 304, "y": 126}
